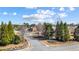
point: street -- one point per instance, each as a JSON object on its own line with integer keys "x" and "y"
{"x": 37, "y": 46}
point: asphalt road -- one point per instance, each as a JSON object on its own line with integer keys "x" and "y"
{"x": 37, "y": 46}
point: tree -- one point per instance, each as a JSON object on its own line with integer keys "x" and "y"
{"x": 1, "y": 29}
{"x": 66, "y": 32}
{"x": 45, "y": 29}
{"x": 62, "y": 33}
{"x": 26, "y": 25}
{"x": 10, "y": 31}
{"x": 4, "y": 39}
{"x": 61, "y": 29}
{"x": 57, "y": 30}
{"x": 76, "y": 33}
{"x": 7, "y": 35}
{"x": 16, "y": 40}
{"x": 48, "y": 30}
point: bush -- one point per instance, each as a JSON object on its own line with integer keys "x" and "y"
{"x": 16, "y": 40}
{"x": 4, "y": 42}
{"x": 77, "y": 38}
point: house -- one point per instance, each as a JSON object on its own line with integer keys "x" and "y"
{"x": 40, "y": 29}
{"x": 34, "y": 28}
{"x": 76, "y": 31}
{"x": 71, "y": 30}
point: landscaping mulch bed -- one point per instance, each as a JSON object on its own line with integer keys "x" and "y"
{"x": 58, "y": 43}
{"x": 11, "y": 47}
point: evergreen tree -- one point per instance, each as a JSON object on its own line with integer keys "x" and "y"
{"x": 61, "y": 29}
{"x": 66, "y": 32}
{"x": 57, "y": 30}
{"x": 62, "y": 33}
{"x": 26, "y": 25}
{"x": 1, "y": 30}
{"x": 48, "y": 33}
{"x": 10, "y": 31}
{"x": 5, "y": 37}
{"x": 45, "y": 30}
{"x": 76, "y": 34}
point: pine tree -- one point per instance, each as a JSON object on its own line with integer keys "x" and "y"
{"x": 4, "y": 37}
{"x": 62, "y": 33}
{"x": 48, "y": 33}
{"x": 2, "y": 29}
{"x": 10, "y": 31}
{"x": 61, "y": 28}
{"x": 66, "y": 32}
{"x": 57, "y": 31}
{"x": 7, "y": 35}
{"x": 76, "y": 34}
{"x": 45, "y": 30}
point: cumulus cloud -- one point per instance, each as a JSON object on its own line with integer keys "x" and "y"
{"x": 45, "y": 16}
{"x": 30, "y": 17}
{"x": 14, "y": 13}
{"x": 71, "y": 8}
{"x": 62, "y": 9}
{"x": 5, "y": 13}
{"x": 62, "y": 15}
{"x": 41, "y": 15}
{"x": 46, "y": 12}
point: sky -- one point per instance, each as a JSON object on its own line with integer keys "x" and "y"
{"x": 20, "y": 15}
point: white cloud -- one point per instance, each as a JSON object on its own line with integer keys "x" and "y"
{"x": 30, "y": 17}
{"x": 62, "y": 15}
{"x": 14, "y": 13}
{"x": 45, "y": 12}
{"x": 44, "y": 16}
{"x": 5, "y": 13}
{"x": 24, "y": 16}
{"x": 62, "y": 9}
{"x": 72, "y": 8}
{"x": 41, "y": 14}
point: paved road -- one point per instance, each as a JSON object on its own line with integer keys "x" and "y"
{"x": 37, "y": 46}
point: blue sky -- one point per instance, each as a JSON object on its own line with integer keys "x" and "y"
{"x": 19, "y": 15}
